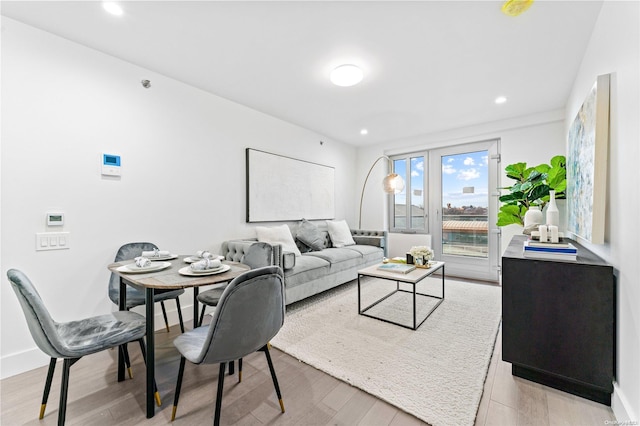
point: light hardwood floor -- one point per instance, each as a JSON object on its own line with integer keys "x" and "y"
{"x": 310, "y": 396}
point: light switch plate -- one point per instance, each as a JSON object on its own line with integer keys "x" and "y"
{"x": 52, "y": 241}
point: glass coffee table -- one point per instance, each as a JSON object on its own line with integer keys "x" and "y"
{"x": 412, "y": 279}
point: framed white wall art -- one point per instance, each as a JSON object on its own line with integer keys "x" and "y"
{"x": 280, "y": 188}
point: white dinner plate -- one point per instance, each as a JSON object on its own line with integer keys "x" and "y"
{"x": 131, "y": 268}
{"x": 160, "y": 258}
{"x": 190, "y": 273}
{"x": 193, "y": 259}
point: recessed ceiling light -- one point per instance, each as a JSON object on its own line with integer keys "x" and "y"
{"x": 500, "y": 100}
{"x": 364, "y": 132}
{"x": 112, "y": 8}
{"x": 346, "y": 75}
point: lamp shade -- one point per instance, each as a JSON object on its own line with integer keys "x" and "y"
{"x": 393, "y": 184}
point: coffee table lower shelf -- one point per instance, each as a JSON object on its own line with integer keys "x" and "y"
{"x": 412, "y": 278}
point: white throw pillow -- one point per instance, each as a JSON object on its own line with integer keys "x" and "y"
{"x": 278, "y": 235}
{"x": 340, "y": 233}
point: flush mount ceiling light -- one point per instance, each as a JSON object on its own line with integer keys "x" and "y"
{"x": 346, "y": 75}
{"x": 516, "y": 7}
{"x": 112, "y": 8}
{"x": 364, "y": 132}
{"x": 500, "y": 100}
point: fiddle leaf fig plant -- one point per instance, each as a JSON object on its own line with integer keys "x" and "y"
{"x": 531, "y": 188}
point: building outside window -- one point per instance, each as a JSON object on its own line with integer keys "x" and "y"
{"x": 409, "y": 205}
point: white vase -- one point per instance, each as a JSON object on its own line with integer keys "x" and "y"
{"x": 533, "y": 217}
{"x": 553, "y": 214}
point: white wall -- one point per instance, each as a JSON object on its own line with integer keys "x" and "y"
{"x": 183, "y": 181}
{"x": 615, "y": 48}
{"x": 534, "y": 139}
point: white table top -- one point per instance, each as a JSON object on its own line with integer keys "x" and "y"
{"x": 414, "y": 276}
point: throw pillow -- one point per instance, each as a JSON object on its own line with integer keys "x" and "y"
{"x": 309, "y": 234}
{"x": 340, "y": 233}
{"x": 278, "y": 235}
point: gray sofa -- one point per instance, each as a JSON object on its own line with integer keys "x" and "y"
{"x": 316, "y": 271}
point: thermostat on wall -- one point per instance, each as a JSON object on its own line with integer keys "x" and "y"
{"x": 111, "y": 165}
{"x": 55, "y": 219}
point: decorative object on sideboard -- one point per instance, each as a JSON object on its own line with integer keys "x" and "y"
{"x": 391, "y": 184}
{"x": 547, "y": 234}
{"x": 421, "y": 255}
{"x": 553, "y": 214}
{"x": 532, "y": 219}
{"x": 531, "y": 188}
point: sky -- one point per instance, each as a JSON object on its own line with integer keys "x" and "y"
{"x": 460, "y": 171}
{"x": 468, "y": 170}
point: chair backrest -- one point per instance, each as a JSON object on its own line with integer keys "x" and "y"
{"x": 126, "y": 252}
{"x": 250, "y": 312}
{"x": 258, "y": 255}
{"x": 42, "y": 327}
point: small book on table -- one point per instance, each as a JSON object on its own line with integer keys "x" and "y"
{"x": 396, "y": 267}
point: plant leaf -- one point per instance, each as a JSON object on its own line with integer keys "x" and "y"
{"x": 556, "y": 176}
{"x": 516, "y": 171}
{"x": 508, "y": 215}
{"x": 559, "y": 161}
{"x": 513, "y": 197}
{"x": 539, "y": 192}
{"x": 543, "y": 168}
{"x": 534, "y": 175}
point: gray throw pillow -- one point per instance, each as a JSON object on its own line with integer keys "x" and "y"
{"x": 310, "y": 235}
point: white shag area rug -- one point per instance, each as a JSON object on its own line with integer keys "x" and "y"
{"x": 435, "y": 373}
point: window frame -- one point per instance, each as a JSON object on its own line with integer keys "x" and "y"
{"x": 407, "y": 191}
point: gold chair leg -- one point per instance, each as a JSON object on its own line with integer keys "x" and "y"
{"x": 47, "y": 387}
{"x": 173, "y": 412}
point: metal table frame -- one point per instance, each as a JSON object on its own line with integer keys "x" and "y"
{"x": 412, "y": 278}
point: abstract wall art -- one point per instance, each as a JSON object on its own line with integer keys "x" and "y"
{"x": 587, "y": 165}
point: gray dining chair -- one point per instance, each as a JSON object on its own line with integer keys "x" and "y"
{"x": 75, "y": 339}
{"x": 249, "y": 313}
{"x": 136, "y": 297}
{"x": 258, "y": 255}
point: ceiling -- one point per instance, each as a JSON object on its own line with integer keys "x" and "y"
{"x": 429, "y": 66}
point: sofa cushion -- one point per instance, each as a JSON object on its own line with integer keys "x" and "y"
{"x": 370, "y": 253}
{"x": 340, "y": 259}
{"x": 340, "y": 233}
{"x": 310, "y": 235}
{"x": 278, "y": 235}
{"x": 307, "y": 268}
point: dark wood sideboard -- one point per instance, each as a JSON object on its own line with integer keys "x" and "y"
{"x": 558, "y": 321}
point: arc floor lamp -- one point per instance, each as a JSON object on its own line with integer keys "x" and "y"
{"x": 392, "y": 184}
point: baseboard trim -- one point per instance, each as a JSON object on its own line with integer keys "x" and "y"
{"x": 22, "y": 362}
{"x": 620, "y": 406}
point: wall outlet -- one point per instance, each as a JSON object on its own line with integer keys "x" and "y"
{"x": 52, "y": 241}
